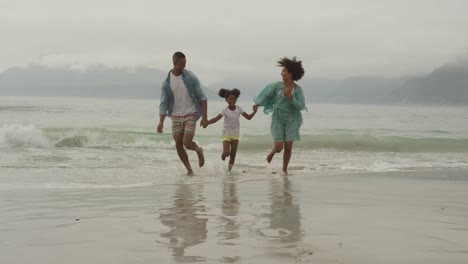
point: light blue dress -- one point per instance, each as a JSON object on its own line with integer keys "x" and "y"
{"x": 286, "y": 117}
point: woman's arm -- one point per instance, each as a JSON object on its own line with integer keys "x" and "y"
{"x": 265, "y": 96}
{"x": 298, "y": 100}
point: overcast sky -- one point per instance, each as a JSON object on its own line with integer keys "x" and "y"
{"x": 335, "y": 39}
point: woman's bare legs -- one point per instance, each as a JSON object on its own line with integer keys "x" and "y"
{"x": 277, "y": 148}
{"x": 287, "y": 156}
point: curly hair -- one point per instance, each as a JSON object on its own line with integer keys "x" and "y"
{"x": 225, "y": 93}
{"x": 293, "y": 66}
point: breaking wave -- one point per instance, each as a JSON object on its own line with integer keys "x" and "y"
{"x": 23, "y": 136}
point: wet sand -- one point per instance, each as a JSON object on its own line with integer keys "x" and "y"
{"x": 400, "y": 217}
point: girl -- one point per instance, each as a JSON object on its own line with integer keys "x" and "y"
{"x": 231, "y": 126}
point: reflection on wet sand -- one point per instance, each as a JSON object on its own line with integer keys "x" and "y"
{"x": 230, "y": 210}
{"x": 187, "y": 222}
{"x": 285, "y": 217}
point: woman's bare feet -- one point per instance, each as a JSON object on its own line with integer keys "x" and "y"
{"x": 270, "y": 156}
{"x": 230, "y": 167}
{"x": 201, "y": 157}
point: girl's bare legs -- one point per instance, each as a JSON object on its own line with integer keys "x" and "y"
{"x": 287, "y": 156}
{"x": 232, "y": 158}
{"x": 277, "y": 148}
{"x": 226, "y": 149}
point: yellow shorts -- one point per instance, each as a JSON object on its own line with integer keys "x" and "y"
{"x": 230, "y": 138}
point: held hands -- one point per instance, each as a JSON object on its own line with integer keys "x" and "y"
{"x": 255, "y": 108}
{"x": 204, "y": 122}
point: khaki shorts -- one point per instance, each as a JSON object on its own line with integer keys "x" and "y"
{"x": 184, "y": 124}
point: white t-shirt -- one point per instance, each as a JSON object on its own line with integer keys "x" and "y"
{"x": 231, "y": 125}
{"x": 183, "y": 103}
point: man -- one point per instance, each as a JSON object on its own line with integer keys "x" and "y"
{"x": 183, "y": 99}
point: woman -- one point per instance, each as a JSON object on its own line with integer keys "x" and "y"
{"x": 285, "y": 100}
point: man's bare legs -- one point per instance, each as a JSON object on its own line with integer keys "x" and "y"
{"x": 277, "y": 148}
{"x": 190, "y": 144}
{"x": 179, "y": 142}
{"x": 183, "y": 141}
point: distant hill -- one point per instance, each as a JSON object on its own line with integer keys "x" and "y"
{"x": 352, "y": 90}
{"x": 447, "y": 85}
{"x": 98, "y": 81}
{"x": 356, "y": 90}
{"x": 249, "y": 87}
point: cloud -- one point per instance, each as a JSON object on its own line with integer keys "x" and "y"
{"x": 224, "y": 38}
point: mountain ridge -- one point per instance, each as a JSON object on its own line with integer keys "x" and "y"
{"x": 447, "y": 84}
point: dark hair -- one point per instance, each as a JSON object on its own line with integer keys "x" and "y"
{"x": 225, "y": 93}
{"x": 293, "y": 66}
{"x": 177, "y": 55}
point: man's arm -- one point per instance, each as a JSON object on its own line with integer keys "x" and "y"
{"x": 201, "y": 97}
{"x": 204, "y": 121}
{"x": 161, "y": 123}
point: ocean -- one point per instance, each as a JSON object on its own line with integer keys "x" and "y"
{"x": 87, "y": 180}
{"x": 113, "y": 143}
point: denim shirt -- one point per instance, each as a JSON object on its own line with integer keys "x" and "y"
{"x": 194, "y": 89}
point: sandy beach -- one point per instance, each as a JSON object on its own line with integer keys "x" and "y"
{"x": 393, "y": 217}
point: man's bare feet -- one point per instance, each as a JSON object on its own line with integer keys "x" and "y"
{"x": 230, "y": 167}
{"x": 285, "y": 172}
{"x": 270, "y": 156}
{"x": 201, "y": 157}
{"x": 190, "y": 172}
